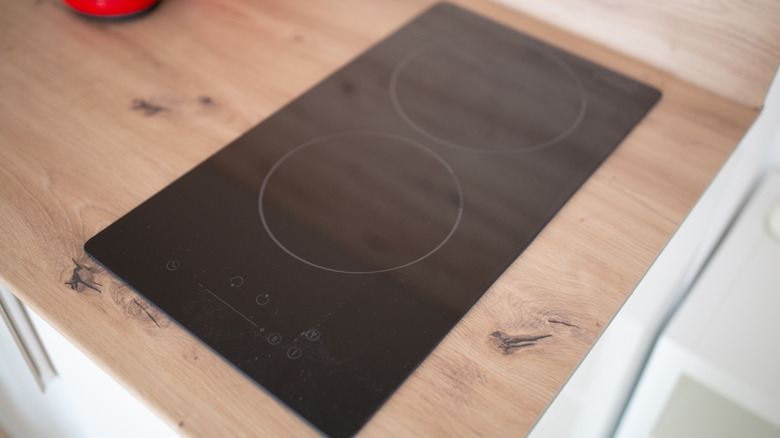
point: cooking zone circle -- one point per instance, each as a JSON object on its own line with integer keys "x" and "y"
{"x": 488, "y": 95}
{"x": 360, "y": 202}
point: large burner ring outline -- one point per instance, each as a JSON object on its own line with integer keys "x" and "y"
{"x": 446, "y": 167}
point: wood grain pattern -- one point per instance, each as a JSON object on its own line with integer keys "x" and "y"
{"x": 95, "y": 117}
{"x": 730, "y": 47}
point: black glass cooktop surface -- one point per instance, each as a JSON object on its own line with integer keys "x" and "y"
{"x": 328, "y": 250}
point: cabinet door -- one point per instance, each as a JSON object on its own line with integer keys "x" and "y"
{"x": 78, "y": 400}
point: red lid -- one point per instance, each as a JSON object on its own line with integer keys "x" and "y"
{"x": 110, "y": 8}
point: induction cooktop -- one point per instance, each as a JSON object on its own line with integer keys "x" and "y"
{"x": 327, "y": 251}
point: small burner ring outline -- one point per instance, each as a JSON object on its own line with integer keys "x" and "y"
{"x": 449, "y": 41}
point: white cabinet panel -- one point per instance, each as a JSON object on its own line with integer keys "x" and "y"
{"x": 82, "y": 401}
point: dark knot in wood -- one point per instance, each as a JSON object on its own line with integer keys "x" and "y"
{"x": 510, "y": 344}
{"x": 76, "y": 280}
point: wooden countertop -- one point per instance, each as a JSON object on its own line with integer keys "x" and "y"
{"x": 95, "y": 117}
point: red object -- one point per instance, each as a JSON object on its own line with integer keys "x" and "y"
{"x": 111, "y": 8}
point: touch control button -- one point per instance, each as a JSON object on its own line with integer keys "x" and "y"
{"x": 263, "y": 299}
{"x": 294, "y": 353}
{"x": 312, "y": 334}
{"x": 172, "y": 265}
{"x": 274, "y": 338}
{"x": 236, "y": 281}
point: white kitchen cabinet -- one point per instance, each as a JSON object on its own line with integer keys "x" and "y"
{"x": 81, "y": 401}
{"x": 593, "y": 402}
{"x": 721, "y": 350}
